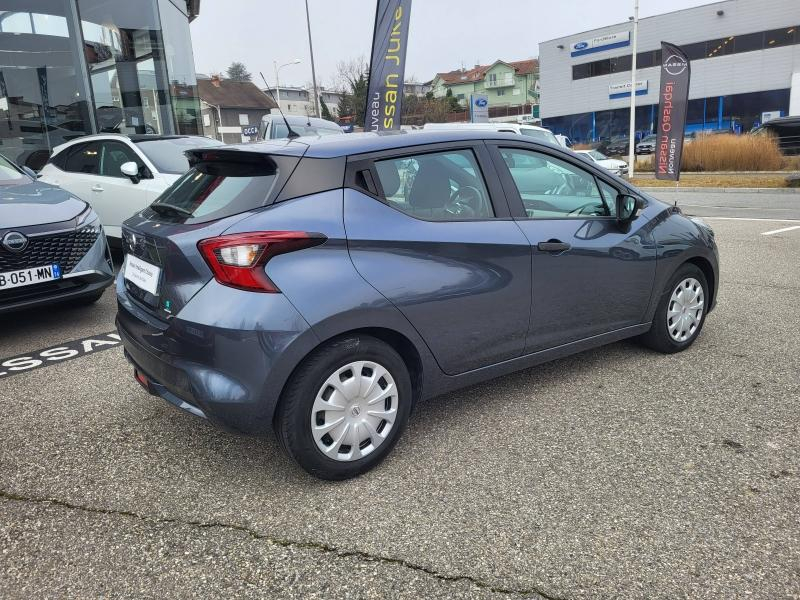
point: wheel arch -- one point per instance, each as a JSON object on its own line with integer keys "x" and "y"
{"x": 708, "y": 271}
{"x": 396, "y": 340}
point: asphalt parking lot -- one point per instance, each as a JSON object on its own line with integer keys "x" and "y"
{"x": 618, "y": 472}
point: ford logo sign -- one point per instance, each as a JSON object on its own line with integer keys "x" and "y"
{"x": 14, "y": 241}
{"x": 581, "y": 45}
{"x": 481, "y": 102}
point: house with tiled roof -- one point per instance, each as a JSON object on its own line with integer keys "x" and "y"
{"x": 505, "y": 83}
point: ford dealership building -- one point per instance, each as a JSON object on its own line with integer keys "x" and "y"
{"x": 745, "y": 69}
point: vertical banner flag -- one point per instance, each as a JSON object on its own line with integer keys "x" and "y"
{"x": 387, "y": 65}
{"x": 673, "y": 97}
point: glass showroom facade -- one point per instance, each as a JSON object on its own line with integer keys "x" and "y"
{"x": 73, "y": 67}
{"x": 736, "y": 113}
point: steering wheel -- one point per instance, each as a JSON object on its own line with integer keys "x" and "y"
{"x": 579, "y": 210}
{"x": 465, "y": 202}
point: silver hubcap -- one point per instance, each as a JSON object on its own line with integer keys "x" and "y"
{"x": 685, "y": 309}
{"x": 354, "y": 411}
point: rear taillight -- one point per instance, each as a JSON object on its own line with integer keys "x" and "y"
{"x": 238, "y": 260}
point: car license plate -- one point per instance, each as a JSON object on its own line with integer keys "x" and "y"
{"x": 32, "y": 276}
{"x": 142, "y": 274}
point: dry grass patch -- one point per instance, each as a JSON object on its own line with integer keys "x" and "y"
{"x": 717, "y": 181}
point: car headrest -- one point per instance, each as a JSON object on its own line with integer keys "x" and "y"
{"x": 390, "y": 178}
{"x": 509, "y": 158}
{"x": 431, "y": 188}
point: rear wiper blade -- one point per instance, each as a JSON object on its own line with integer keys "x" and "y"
{"x": 164, "y": 208}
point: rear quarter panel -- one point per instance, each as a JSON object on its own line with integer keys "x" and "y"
{"x": 322, "y": 283}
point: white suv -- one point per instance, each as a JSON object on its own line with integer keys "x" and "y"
{"x": 538, "y": 133}
{"x": 119, "y": 175}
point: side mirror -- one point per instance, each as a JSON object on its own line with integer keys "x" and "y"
{"x": 627, "y": 208}
{"x": 130, "y": 169}
{"x": 30, "y": 172}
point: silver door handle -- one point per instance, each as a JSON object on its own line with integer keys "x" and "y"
{"x": 97, "y": 188}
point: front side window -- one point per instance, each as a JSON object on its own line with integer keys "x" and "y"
{"x": 439, "y": 186}
{"x": 551, "y": 188}
{"x": 113, "y": 156}
{"x": 84, "y": 158}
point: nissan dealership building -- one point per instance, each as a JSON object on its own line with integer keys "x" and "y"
{"x": 745, "y": 70}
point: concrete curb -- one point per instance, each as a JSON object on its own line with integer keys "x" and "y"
{"x": 713, "y": 190}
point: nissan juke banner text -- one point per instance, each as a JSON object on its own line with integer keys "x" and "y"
{"x": 387, "y": 65}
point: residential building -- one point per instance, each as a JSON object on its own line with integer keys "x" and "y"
{"x": 74, "y": 67}
{"x": 229, "y": 106}
{"x": 745, "y": 68}
{"x": 415, "y": 88}
{"x": 505, "y": 83}
{"x": 296, "y": 100}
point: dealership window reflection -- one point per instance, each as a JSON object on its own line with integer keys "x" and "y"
{"x": 43, "y": 100}
{"x": 124, "y": 53}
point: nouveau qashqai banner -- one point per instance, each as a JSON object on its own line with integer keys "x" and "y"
{"x": 673, "y": 99}
{"x": 387, "y": 65}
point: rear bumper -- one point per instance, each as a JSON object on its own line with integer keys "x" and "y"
{"x": 232, "y": 377}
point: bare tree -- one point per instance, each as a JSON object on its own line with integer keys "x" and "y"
{"x": 348, "y": 73}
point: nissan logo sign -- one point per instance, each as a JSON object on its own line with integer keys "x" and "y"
{"x": 14, "y": 241}
{"x": 674, "y": 65}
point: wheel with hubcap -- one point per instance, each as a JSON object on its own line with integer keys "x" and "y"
{"x": 345, "y": 407}
{"x": 681, "y": 312}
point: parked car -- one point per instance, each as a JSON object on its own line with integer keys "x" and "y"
{"x": 564, "y": 141}
{"x": 613, "y": 165}
{"x": 786, "y": 130}
{"x": 120, "y": 175}
{"x": 273, "y": 126}
{"x": 52, "y": 246}
{"x": 532, "y": 131}
{"x": 647, "y": 145}
{"x": 328, "y": 306}
{"x": 617, "y": 146}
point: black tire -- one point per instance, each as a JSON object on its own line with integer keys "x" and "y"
{"x": 659, "y": 338}
{"x": 293, "y": 415}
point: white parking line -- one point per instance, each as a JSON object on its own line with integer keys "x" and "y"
{"x": 748, "y": 219}
{"x": 781, "y": 230}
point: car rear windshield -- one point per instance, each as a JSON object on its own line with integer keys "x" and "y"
{"x": 538, "y": 134}
{"x": 214, "y": 190}
{"x": 167, "y": 154}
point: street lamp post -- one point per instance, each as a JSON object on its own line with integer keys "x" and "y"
{"x": 632, "y": 139}
{"x": 296, "y": 61}
{"x": 313, "y": 72}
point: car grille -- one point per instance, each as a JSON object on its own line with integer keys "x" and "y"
{"x": 63, "y": 249}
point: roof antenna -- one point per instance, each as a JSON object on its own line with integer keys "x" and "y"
{"x": 291, "y": 132}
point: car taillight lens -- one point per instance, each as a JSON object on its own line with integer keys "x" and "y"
{"x": 238, "y": 260}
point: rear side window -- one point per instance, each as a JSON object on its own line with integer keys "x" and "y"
{"x": 217, "y": 189}
{"x": 438, "y": 186}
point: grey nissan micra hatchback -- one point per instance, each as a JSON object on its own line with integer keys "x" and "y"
{"x": 322, "y": 286}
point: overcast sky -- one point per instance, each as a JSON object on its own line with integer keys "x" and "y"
{"x": 444, "y": 34}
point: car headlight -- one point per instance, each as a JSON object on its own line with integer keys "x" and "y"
{"x": 89, "y": 222}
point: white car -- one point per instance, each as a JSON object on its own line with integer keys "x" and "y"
{"x": 538, "y": 133}
{"x": 120, "y": 175}
{"x": 617, "y": 167}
